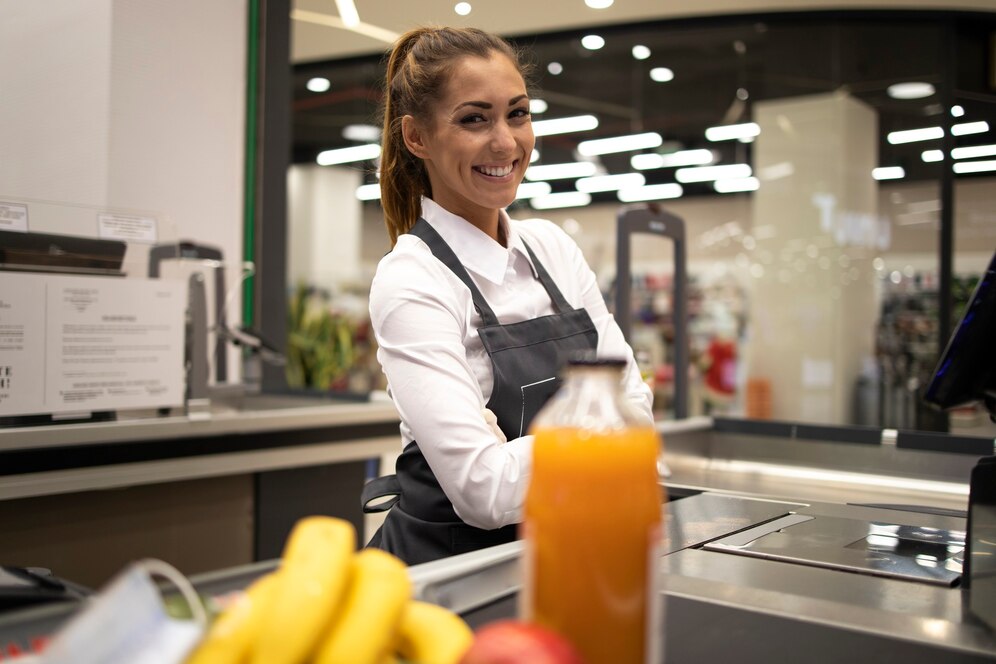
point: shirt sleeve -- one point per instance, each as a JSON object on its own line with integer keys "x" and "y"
{"x": 611, "y": 342}
{"x": 419, "y": 321}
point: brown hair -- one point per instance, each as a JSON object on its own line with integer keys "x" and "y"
{"x": 417, "y": 70}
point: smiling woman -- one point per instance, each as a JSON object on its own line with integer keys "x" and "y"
{"x": 474, "y": 313}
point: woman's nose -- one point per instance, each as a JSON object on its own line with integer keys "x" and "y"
{"x": 502, "y": 139}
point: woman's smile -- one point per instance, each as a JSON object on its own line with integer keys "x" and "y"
{"x": 497, "y": 172}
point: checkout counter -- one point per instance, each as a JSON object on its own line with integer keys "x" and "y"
{"x": 784, "y": 541}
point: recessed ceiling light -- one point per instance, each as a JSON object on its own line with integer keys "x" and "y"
{"x": 641, "y": 52}
{"x": 592, "y": 42}
{"x": 910, "y": 90}
{"x": 462, "y": 8}
{"x": 957, "y": 111}
{"x": 966, "y": 128}
{"x": 368, "y": 192}
{"x": 319, "y": 84}
{"x": 932, "y": 155}
{"x": 598, "y": 183}
{"x": 347, "y": 12}
{"x": 734, "y": 185}
{"x": 599, "y": 4}
{"x": 537, "y": 106}
{"x": 650, "y": 192}
{"x": 575, "y": 169}
{"x": 620, "y": 144}
{"x": 712, "y": 173}
{"x": 975, "y": 166}
{"x": 732, "y": 132}
{"x": 555, "y": 68}
{"x": 565, "y": 125}
{"x": 661, "y": 74}
{"x": 914, "y": 135}
{"x": 643, "y": 162}
{"x": 347, "y": 155}
{"x": 533, "y": 189}
{"x": 561, "y": 200}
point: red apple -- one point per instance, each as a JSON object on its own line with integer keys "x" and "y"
{"x": 518, "y": 642}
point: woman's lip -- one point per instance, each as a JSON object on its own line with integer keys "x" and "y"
{"x": 480, "y": 169}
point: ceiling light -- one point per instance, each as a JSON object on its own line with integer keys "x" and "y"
{"x": 734, "y": 185}
{"x": 661, "y": 74}
{"x": 732, "y": 132}
{"x": 361, "y": 132}
{"x": 910, "y": 90}
{"x": 651, "y": 192}
{"x": 562, "y": 200}
{"x": 957, "y": 111}
{"x": 620, "y": 144}
{"x": 888, "y": 173}
{"x": 644, "y": 162}
{"x": 599, "y": 183}
{"x": 533, "y": 189}
{"x": 565, "y": 125}
{"x": 319, "y": 84}
{"x": 975, "y": 166}
{"x": 932, "y": 155}
{"x": 537, "y": 106}
{"x": 346, "y": 155}
{"x": 599, "y": 4}
{"x": 973, "y": 151}
{"x": 966, "y": 128}
{"x": 347, "y": 12}
{"x": 555, "y": 68}
{"x": 592, "y": 42}
{"x": 462, "y": 8}
{"x": 534, "y": 156}
{"x": 577, "y": 169}
{"x": 641, "y": 52}
{"x": 914, "y": 135}
{"x": 368, "y": 192}
{"x": 709, "y": 173}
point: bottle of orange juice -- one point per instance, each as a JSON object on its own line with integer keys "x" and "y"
{"x": 593, "y": 518}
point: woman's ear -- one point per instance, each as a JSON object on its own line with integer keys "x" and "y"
{"x": 413, "y": 136}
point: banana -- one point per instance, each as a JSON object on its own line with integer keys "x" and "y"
{"x": 311, "y": 584}
{"x": 231, "y": 635}
{"x": 430, "y": 634}
{"x": 364, "y": 629}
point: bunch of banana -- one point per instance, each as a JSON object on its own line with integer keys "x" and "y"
{"x": 326, "y": 604}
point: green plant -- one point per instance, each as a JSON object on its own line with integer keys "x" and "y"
{"x": 320, "y": 346}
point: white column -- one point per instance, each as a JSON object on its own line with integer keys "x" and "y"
{"x": 813, "y": 304}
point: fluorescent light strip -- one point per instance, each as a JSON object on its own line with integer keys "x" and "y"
{"x": 533, "y": 189}
{"x": 914, "y": 135}
{"x": 347, "y": 12}
{"x": 645, "y": 162}
{"x": 576, "y": 169}
{"x": 562, "y": 200}
{"x": 610, "y": 182}
{"x": 974, "y": 151}
{"x": 318, "y": 18}
{"x": 347, "y": 155}
{"x": 368, "y": 192}
{"x": 932, "y": 155}
{"x": 620, "y": 144}
{"x": 564, "y": 125}
{"x": 966, "y": 128}
{"x": 651, "y": 192}
{"x": 731, "y": 132}
{"x": 709, "y": 173}
{"x": 975, "y": 166}
{"x": 736, "y": 185}
{"x": 361, "y": 132}
{"x": 888, "y": 173}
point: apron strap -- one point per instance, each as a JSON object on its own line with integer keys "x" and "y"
{"x": 444, "y": 254}
{"x": 559, "y": 302}
{"x": 381, "y": 487}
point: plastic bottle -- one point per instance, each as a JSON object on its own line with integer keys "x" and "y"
{"x": 593, "y": 518}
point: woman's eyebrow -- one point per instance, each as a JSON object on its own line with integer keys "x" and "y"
{"x": 487, "y": 105}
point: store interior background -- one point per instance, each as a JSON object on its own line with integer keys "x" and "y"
{"x": 812, "y": 298}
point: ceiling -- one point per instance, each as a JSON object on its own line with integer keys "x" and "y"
{"x": 722, "y": 67}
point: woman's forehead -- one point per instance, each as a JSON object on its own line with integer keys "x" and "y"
{"x": 473, "y": 76}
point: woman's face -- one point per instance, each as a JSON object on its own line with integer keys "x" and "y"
{"x": 477, "y": 143}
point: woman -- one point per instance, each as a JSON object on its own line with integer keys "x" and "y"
{"x": 474, "y": 313}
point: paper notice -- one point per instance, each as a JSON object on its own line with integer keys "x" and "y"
{"x": 129, "y": 228}
{"x": 13, "y": 217}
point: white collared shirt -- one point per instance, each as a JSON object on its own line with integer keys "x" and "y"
{"x": 438, "y": 372}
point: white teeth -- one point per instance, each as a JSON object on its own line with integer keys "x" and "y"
{"x": 496, "y": 172}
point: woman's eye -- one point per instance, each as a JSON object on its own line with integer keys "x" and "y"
{"x": 519, "y": 113}
{"x": 472, "y": 119}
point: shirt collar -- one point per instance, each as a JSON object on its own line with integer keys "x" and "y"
{"x": 476, "y": 251}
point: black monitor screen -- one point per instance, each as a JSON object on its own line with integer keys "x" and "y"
{"x": 60, "y": 253}
{"x": 967, "y": 369}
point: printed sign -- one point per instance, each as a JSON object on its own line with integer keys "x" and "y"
{"x": 129, "y": 228}
{"x": 13, "y": 217}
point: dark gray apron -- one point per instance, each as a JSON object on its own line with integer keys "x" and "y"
{"x": 526, "y": 358}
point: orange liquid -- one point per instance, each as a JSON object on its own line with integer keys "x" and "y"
{"x": 592, "y": 523}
